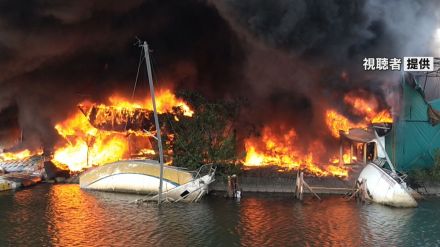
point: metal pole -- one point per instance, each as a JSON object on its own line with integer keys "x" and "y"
{"x": 156, "y": 119}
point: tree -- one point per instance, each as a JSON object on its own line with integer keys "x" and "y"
{"x": 208, "y": 137}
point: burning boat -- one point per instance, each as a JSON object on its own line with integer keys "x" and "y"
{"x": 142, "y": 176}
{"x": 379, "y": 177}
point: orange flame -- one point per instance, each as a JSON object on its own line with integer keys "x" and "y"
{"x": 337, "y": 122}
{"x": 345, "y": 159}
{"x": 18, "y": 155}
{"x": 382, "y": 117}
{"x": 85, "y": 145}
{"x": 366, "y": 108}
{"x": 165, "y": 101}
{"x": 281, "y": 150}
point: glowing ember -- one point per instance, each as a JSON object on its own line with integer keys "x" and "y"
{"x": 281, "y": 150}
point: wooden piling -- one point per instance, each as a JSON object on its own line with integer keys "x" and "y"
{"x": 299, "y": 186}
{"x": 233, "y": 188}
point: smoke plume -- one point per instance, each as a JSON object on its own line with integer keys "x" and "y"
{"x": 291, "y": 59}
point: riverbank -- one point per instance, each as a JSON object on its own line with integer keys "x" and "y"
{"x": 325, "y": 185}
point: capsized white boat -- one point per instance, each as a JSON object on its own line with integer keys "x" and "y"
{"x": 385, "y": 186}
{"x": 143, "y": 177}
{"x": 148, "y": 176}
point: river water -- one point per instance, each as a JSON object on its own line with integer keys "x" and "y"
{"x": 64, "y": 215}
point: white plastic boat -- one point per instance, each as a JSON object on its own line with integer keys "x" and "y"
{"x": 147, "y": 176}
{"x": 143, "y": 177}
{"x": 385, "y": 188}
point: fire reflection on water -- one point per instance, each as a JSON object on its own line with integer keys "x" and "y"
{"x": 73, "y": 209}
{"x": 330, "y": 224}
{"x": 64, "y": 215}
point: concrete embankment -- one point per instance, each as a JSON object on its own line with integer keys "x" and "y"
{"x": 270, "y": 180}
{"x": 326, "y": 185}
{"x": 428, "y": 188}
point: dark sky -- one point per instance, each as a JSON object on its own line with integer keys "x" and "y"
{"x": 285, "y": 57}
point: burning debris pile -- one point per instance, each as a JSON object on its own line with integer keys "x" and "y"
{"x": 103, "y": 133}
{"x": 118, "y": 119}
{"x": 285, "y": 152}
{"x": 283, "y": 147}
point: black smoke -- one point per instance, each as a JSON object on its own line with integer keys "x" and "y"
{"x": 54, "y": 54}
{"x": 291, "y": 59}
{"x": 304, "y": 56}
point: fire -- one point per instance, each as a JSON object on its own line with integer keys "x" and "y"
{"x": 337, "y": 122}
{"x": 281, "y": 150}
{"x": 365, "y": 108}
{"x": 345, "y": 159}
{"x": 18, "y": 155}
{"x": 85, "y": 146}
{"x": 165, "y": 101}
{"x": 361, "y": 106}
{"x": 382, "y": 117}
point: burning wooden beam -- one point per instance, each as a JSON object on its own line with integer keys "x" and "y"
{"x": 118, "y": 119}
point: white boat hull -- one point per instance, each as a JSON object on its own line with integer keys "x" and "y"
{"x": 190, "y": 192}
{"x": 384, "y": 189}
{"x": 142, "y": 177}
{"x": 130, "y": 183}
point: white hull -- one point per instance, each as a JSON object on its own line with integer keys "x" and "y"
{"x": 142, "y": 177}
{"x": 384, "y": 189}
{"x": 131, "y": 183}
{"x": 189, "y": 192}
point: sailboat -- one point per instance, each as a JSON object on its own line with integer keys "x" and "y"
{"x": 385, "y": 186}
{"x": 145, "y": 176}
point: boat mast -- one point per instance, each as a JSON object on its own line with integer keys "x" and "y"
{"x": 156, "y": 119}
{"x": 384, "y": 151}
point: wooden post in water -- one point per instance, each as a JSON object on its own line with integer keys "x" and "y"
{"x": 233, "y": 188}
{"x": 229, "y": 187}
{"x": 299, "y": 188}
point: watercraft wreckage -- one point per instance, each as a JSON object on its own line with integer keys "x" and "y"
{"x": 383, "y": 183}
{"x": 142, "y": 176}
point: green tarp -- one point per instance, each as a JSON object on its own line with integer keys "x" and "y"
{"x": 416, "y": 133}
